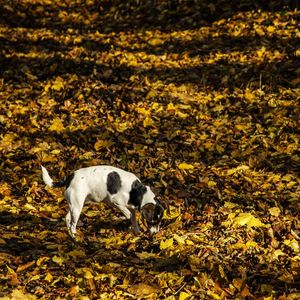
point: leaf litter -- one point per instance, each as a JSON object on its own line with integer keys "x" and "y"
{"x": 199, "y": 99}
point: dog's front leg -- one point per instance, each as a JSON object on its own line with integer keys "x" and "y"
{"x": 134, "y": 222}
{"x": 130, "y": 215}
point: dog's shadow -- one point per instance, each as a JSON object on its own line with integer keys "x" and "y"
{"x": 26, "y": 237}
{"x": 114, "y": 220}
{"x": 109, "y": 224}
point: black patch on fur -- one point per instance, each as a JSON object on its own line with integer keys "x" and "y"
{"x": 113, "y": 182}
{"x": 158, "y": 212}
{"x": 69, "y": 180}
{"x": 136, "y": 193}
{"x": 64, "y": 183}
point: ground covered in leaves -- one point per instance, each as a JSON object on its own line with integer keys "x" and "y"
{"x": 200, "y": 99}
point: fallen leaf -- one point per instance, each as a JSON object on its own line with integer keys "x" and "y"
{"x": 58, "y": 259}
{"x": 166, "y": 244}
{"x": 274, "y": 211}
{"x": 57, "y": 125}
{"x": 184, "y": 295}
{"x": 185, "y": 166}
{"x": 247, "y": 219}
{"x": 49, "y": 277}
{"x": 142, "y": 290}
{"x": 25, "y": 266}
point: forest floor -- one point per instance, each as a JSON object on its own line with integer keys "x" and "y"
{"x": 200, "y": 99}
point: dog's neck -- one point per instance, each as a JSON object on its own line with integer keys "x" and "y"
{"x": 147, "y": 199}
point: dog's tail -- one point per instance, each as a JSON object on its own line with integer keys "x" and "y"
{"x": 48, "y": 180}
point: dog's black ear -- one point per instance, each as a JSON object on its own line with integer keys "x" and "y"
{"x": 136, "y": 193}
{"x": 158, "y": 211}
{"x": 165, "y": 204}
{"x": 148, "y": 212}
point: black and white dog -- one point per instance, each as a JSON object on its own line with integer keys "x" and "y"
{"x": 115, "y": 187}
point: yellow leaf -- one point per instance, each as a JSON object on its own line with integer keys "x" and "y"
{"x": 29, "y": 207}
{"x": 189, "y": 243}
{"x": 87, "y": 273}
{"x": 55, "y": 151}
{"x": 229, "y": 205}
{"x": 211, "y": 183}
{"x": 143, "y": 111}
{"x": 168, "y": 243}
{"x": 86, "y": 155}
{"x": 142, "y": 290}
{"x": 155, "y": 41}
{"x": 182, "y": 115}
{"x": 145, "y": 255}
{"x": 185, "y": 166}
{"x": 7, "y": 140}
{"x": 247, "y": 219}
{"x": 180, "y": 240}
{"x": 171, "y": 213}
{"x": 293, "y": 244}
{"x": 19, "y": 295}
{"x": 49, "y": 277}
{"x": 151, "y": 94}
{"x": 42, "y": 260}
{"x": 219, "y": 148}
{"x": 277, "y": 253}
{"x": 274, "y": 211}
{"x": 291, "y": 184}
{"x": 261, "y": 51}
{"x": 10, "y": 270}
{"x": 250, "y": 244}
{"x": 100, "y": 144}
{"x": 58, "y": 259}
{"x": 35, "y": 277}
{"x": 148, "y": 122}
{"x": 171, "y": 106}
{"x": 58, "y": 84}
{"x": 156, "y": 106}
{"x": 237, "y": 169}
{"x": 77, "y": 253}
{"x": 214, "y": 295}
{"x": 271, "y": 29}
{"x": 249, "y": 96}
{"x": 184, "y": 295}
{"x": 208, "y": 145}
{"x": 57, "y": 125}
{"x": 241, "y": 126}
{"x": 239, "y": 245}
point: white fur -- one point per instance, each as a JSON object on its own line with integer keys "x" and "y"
{"x": 90, "y": 184}
{"x": 46, "y": 177}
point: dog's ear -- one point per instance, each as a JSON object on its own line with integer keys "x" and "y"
{"x": 136, "y": 193}
{"x": 148, "y": 212}
{"x": 164, "y": 204}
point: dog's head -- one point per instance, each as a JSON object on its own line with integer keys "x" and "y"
{"x": 141, "y": 196}
{"x": 152, "y": 211}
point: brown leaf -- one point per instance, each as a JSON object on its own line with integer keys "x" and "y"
{"x": 143, "y": 290}
{"x": 25, "y": 266}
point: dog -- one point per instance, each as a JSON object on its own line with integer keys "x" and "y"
{"x": 114, "y": 186}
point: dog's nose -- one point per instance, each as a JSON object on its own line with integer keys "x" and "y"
{"x": 154, "y": 229}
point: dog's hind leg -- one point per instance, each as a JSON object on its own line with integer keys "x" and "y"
{"x": 68, "y": 220}
{"x": 75, "y": 202}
